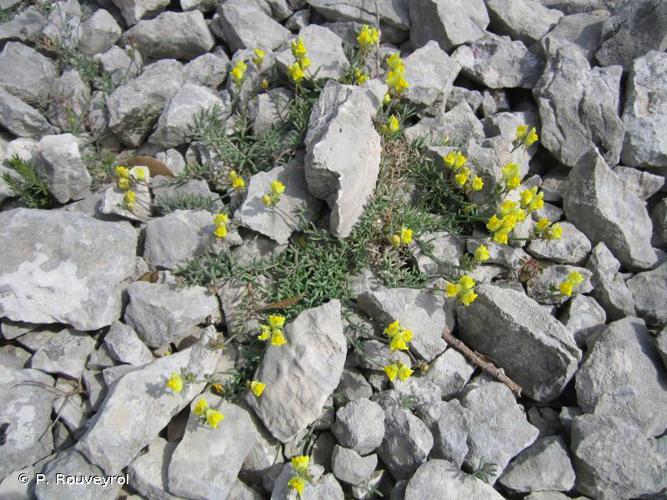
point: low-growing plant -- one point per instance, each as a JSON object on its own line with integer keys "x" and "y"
{"x": 31, "y": 189}
{"x": 188, "y": 201}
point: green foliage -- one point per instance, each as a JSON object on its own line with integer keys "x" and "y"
{"x": 485, "y": 471}
{"x": 100, "y": 163}
{"x": 236, "y": 383}
{"x": 188, "y": 201}
{"x": 32, "y": 190}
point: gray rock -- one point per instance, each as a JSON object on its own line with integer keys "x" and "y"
{"x": 246, "y": 26}
{"x": 499, "y": 62}
{"x": 449, "y": 22}
{"x": 279, "y": 222}
{"x": 544, "y": 466}
{"x": 438, "y": 479}
{"x": 161, "y": 313}
{"x": 450, "y": 372}
{"x": 504, "y": 255}
{"x": 447, "y": 422}
{"x": 407, "y": 443}
{"x": 578, "y": 105}
{"x": 620, "y": 474}
{"x": 421, "y": 311}
{"x": 497, "y": 427}
{"x": 458, "y": 124}
{"x": 268, "y": 108}
{"x": 609, "y": 288}
{"x": 325, "y": 51}
{"x": 24, "y": 25}
{"x": 649, "y": 291}
{"x": 26, "y": 74}
{"x": 69, "y": 101}
{"x": 21, "y": 119}
{"x": 64, "y": 354}
{"x": 125, "y": 345}
{"x": 417, "y": 391}
{"x": 121, "y": 65}
{"x": 353, "y": 385}
{"x": 209, "y": 70}
{"x": 661, "y": 344}
{"x": 343, "y": 151}
{"x": 543, "y": 285}
{"x": 26, "y": 401}
{"x": 604, "y": 209}
{"x": 301, "y": 374}
{"x": 444, "y": 252}
{"x": 265, "y": 455}
{"x": 379, "y": 355}
{"x": 121, "y": 427}
{"x": 473, "y": 98}
{"x": 298, "y": 20}
{"x": 583, "y": 30}
{"x": 525, "y": 20}
{"x": 350, "y": 467}
{"x": 546, "y": 419}
{"x": 579, "y": 6}
{"x": 135, "y": 10}
{"x": 645, "y": 113}
{"x": 206, "y": 461}
{"x": 99, "y": 33}
{"x": 148, "y": 472}
{"x": 112, "y": 200}
{"x": 659, "y": 218}
{"x": 72, "y": 277}
{"x": 572, "y": 248}
{"x": 642, "y": 183}
{"x": 431, "y": 74}
{"x": 135, "y": 106}
{"x": 62, "y": 168}
{"x": 322, "y": 486}
{"x": 164, "y": 190}
{"x": 634, "y": 29}
{"x": 360, "y": 425}
{"x": 581, "y": 316}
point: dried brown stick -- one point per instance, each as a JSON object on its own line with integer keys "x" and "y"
{"x": 478, "y": 360}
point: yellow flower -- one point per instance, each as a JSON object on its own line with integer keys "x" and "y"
{"x": 395, "y": 240}
{"x": 460, "y": 160}
{"x": 532, "y": 137}
{"x": 391, "y": 371}
{"x": 257, "y": 387}
{"x": 397, "y": 82}
{"x": 276, "y": 320}
{"x": 175, "y": 382}
{"x": 452, "y": 289}
{"x": 298, "y": 484}
{"x": 298, "y": 49}
{"x": 527, "y": 196}
{"x": 513, "y": 182}
{"x": 296, "y": 72}
{"x": 508, "y": 207}
{"x": 267, "y": 200}
{"x": 238, "y": 72}
{"x": 466, "y": 282}
{"x": 404, "y": 372}
{"x": 537, "y": 203}
{"x": 501, "y": 237}
{"x": 214, "y": 417}
{"x": 510, "y": 170}
{"x": 264, "y": 84}
{"x": 122, "y": 172}
{"x": 201, "y": 407}
{"x": 395, "y": 62}
{"x": 259, "y": 57}
{"x": 542, "y": 224}
{"x": 482, "y": 254}
{"x": 304, "y": 62}
{"x": 393, "y": 329}
{"x": 477, "y": 183}
{"x": 277, "y": 188}
{"x": 386, "y": 99}
{"x": 565, "y": 288}
{"x": 265, "y": 332}
{"x": 238, "y": 184}
{"x": 450, "y": 159}
{"x": 129, "y": 198}
{"x": 462, "y": 177}
{"x": 468, "y": 297}
{"x": 124, "y": 183}
{"x": 521, "y": 132}
{"x": 277, "y": 337}
{"x": 368, "y": 37}
{"x": 493, "y": 223}
{"x": 220, "y": 231}
{"x": 220, "y": 219}
{"x": 406, "y": 235}
{"x": 139, "y": 173}
{"x": 360, "y": 77}
{"x": 393, "y": 125}
{"x": 575, "y": 278}
{"x": 555, "y": 232}
{"x": 300, "y": 463}
{"x": 400, "y": 340}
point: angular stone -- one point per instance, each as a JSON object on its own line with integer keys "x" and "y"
{"x": 459, "y": 124}
{"x": 525, "y": 20}
{"x": 135, "y": 10}
{"x": 622, "y": 376}
{"x": 360, "y": 425}
{"x": 26, "y": 74}
{"x": 441, "y": 479}
{"x": 544, "y": 466}
{"x": 65, "y": 354}
{"x": 649, "y": 291}
{"x": 118, "y": 64}
{"x": 579, "y": 105}
{"x": 449, "y": 22}
{"x": 642, "y": 183}
{"x": 645, "y": 113}
{"x": 661, "y": 344}
{"x": 165, "y": 191}
{"x": 536, "y": 350}
{"x": 353, "y": 385}
{"x": 72, "y": 277}
{"x": 21, "y": 119}
{"x": 583, "y": 30}
{"x": 268, "y": 108}
{"x": 581, "y": 316}
{"x": 24, "y": 25}
{"x": 343, "y": 151}
{"x": 209, "y": 69}
{"x": 303, "y": 373}
{"x": 325, "y": 51}
{"x": 246, "y": 26}
{"x": 350, "y": 467}
{"x": 444, "y": 252}
{"x": 572, "y": 248}
{"x": 280, "y": 222}
{"x": 499, "y": 62}
{"x": 447, "y": 421}
{"x": 161, "y": 313}
{"x": 504, "y": 255}
{"x": 125, "y": 345}
{"x": 206, "y": 461}
{"x": 112, "y": 200}
{"x": 609, "y": 288}
{"x": 322, "y": 486}
{"x": 450, "y": 372}
{"x": 69, "y": 101}
{"x": 393, "y": 14}
{"x": 602, "y": 207}
{"x": 543, "y": 284}
{"x": 407, "y": 442}
{"x": 379, "y": 354}
{"x": 148, "y": 472}
{"x": 99, "y": 33}
{"x": 61, "y": 166}
{"x": 659, "y": 218}
{"x": 431, "y": 73}
{"x": 121, "y": 427}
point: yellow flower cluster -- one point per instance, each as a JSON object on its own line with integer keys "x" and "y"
{"x": 272, "y": 198}
{"x": 208, "y": 415}
{"x": 481, "y": 254}
{"x": 368, "y": 38}
{"x": 238, "y": 72}
{"x": 220, "y": 222}
{"x": 360, "y": 77}
{"x": 126, "y": 180}
{"x": 545, "y": 229}
{"x": 259, "y": 57}
{"x": 297, "y": 70}
{"x": 257, "y": 387}
{"x": 463, "y": 177}
{"x": 525, "y": 136}
{"x": 398, "y": 369}
{"x": 301, "y": 478}
{"x": 393, "y": 125}
{"x": 396, "y": 76}
{"x": 511, "y": 175}
{"x": 531, "y": 200}
{"x": 511, "y": 214}
{"x": 573, "y": 280}
{"x": 175, "y": 382}
{"x": 399, "y": 336}
{"x": 404, "y": 238}
{"x": 273, "y": 330}
{"x": 236, "y": 181}
{"x": 463, "y": 290}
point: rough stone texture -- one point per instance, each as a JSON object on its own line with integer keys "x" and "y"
{"x": 459, "y": 124}
{"x": 135, "y": 10}
{"x": 572, "y": 248}
{"x": 449, "y": 22}
{"x": 659, "y": 218}
{"x": 544, "y": 466}
{"x": 112, "y": 200}
{"x": 437, "y": 479}
{"x": 431, "y": 74}
{"x": 450, "y": 372}
{"x": 407, "y": 442}
{"x": 301, "y": 374}
{"x": 661, "y": 345}
{"x": 578, "y": 105}
{"x": 497, "y": 426}
{"x": 206, "y": 461}
{"x": 22, "y": 119}
{"x": 26, "y": 399}
{"x": 423, "y": 312}
{"x": 635, "y": 28}
{"x": 24, "y": 25}
{"x": 148, "y": 472}
{"x": 609, "y": 288}
{"x": 26, "y": 74}
{"x": 280, "y": 222}
{"x": 209, "y": 69}
{"x": 622, "y": 376}
{"x": 445, "y": 247}
{"x": 649, "y": 290}
{"x": 99, "y": 33}
{"x": 135, "y": 106}
{"x": 162, "y": 313}
{"x": 621, "y": 474}
{"x": 64, "y": 354}
{"x": 535, "y": 349}
{"x": 121, "y": 427}
{"x": 119, "y": 65}
{"x": 343, "y": 151}
{"x": 581, "y": 316}
{"x": 360, "y": 425}
{"x": 583, "y": 30}
{"x": 541, "y": 285}
{"x": 60, "y": 165}
{"x": 350, "y": 467}
{"x": 499, "y": 62}
{"x": 605, "y": 210}
{"x": 125, "y": 345}
{"x": 640, "y": 182}
{"x": 69, "y": 101}
{"x": 447, "y": 422}
{"x": 525, "y": 20}
{"x": 71, "y": 276}
{"x": 246, "y": 26}
{"x": 322, "y": 486}
{"x": 645, "y": 114}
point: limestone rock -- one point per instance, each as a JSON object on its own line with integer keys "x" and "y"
{"x": 609, "y": 288}
{"x": 65, "y": 354}
{"x": 407, "y": 442}
{"x": 640, "y": 182}
{"x": 582, "y": 316}
{"x": 582, "y": 29}
{"x": 543, "y": 284}
{"x": 572, "y": 248}
{"x": 450, "y": 372}
{"x": 125, "y": 345}
{"x": 208, "y": 70}
{"x": 135, "y": 10}
{"x": 447, "y": 421}
{"x": 99, "y": 33}
{"x": 431, "y": 74}
{"x": 25, "y": 25}
{"x": 360, "y": 425}
{"x": 148, "y": 472}
{"x": 69, "y": 101}
{"x": 62, "y": 168}
{"x": 649, "y": 291}
{"x": 350, "y": 467}
{"x": 25, "y": 73}
{"x": 22, "y": 119}
{"x": 525, "y": 20}
{"x": 246, "y": 26}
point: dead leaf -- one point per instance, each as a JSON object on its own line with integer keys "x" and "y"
{"x": 155, "y": 167}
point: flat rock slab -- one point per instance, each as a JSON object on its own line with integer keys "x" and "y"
{"x": 534, "y": 348}
{"x": 246, "y": 26}
{"x": 649, "y": 290}
{"x": 303, "y": 373}
{"x": 407, "y": 442}
{"x": 65, "y": 354}
{"x": 438, "y": 479}
{"x": 72, "y": 275}
{"x": 431, "y": 74}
